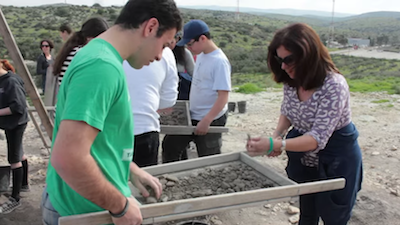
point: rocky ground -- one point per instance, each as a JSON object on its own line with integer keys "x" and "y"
{"x": 378, "y": 123}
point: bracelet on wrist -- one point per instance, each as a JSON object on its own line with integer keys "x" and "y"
{"x": 271, "y": 145}
{"x": 121, "y": 214}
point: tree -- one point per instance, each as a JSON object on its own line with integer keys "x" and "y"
{"x": 323, "y": 38}
{"x": 61, "y": 12}
{"x": 371, "y": 41}
{"x": 222, "y": 44}
{"x": 342, "y": 40}
{"x": 394, "y": 40}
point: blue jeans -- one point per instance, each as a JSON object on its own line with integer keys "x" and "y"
{"x": 49, "y": 214}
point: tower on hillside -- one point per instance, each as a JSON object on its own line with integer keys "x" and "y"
{"x": 332, "y": 27}
{"x": 237, "y": 11}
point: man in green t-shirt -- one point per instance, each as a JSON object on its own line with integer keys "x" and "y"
{"x": 92, "y": 149}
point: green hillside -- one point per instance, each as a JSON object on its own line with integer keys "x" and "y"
{"x": 244, "y": 41}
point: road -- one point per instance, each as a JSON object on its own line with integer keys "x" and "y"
{"x": 369, "y": 53}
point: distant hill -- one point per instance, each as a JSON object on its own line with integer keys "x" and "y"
{"x": 55, "y": 5}
{"x": 290, "y": 12}
{"x": 381, "y": 14}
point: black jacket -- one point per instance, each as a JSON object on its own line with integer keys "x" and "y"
{"x": 12, "y": 94}
{"x": 42, "y": 65}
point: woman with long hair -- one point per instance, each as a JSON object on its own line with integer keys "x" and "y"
{"x": 322, "y": 143}
{"x": 185, "y": 65}
{"x": 89, "y": 30}
{"x": 44, "y": 60}
{"x": 13, "y": 120}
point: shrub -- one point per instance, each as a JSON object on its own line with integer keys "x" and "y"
{"x": 249, "y": 88}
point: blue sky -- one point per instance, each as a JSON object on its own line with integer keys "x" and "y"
{"x": 343, "y": 6}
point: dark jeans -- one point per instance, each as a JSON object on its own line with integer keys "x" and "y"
{"x": 174, "y": 146}
{"x": 14, "y": 143}
{"x": 340, "y": 158}
{"x": 145, "y": 152}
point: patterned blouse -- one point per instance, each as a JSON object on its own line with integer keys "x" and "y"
{"x": 327, "y": 110}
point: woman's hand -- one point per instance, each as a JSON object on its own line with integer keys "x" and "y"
{"x": 260, "y": 146}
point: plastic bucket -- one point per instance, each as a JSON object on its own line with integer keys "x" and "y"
{"x": 242, "y": 106}
{"x": 231, "y": 106}
{"x": 4, "y": 178}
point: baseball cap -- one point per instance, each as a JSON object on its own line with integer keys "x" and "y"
{"x": 191, "y": 30}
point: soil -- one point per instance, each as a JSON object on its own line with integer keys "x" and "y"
{"x": 378, "y": 123}
{"x": 207, "y": 181}
{"x": 178, "y": 117}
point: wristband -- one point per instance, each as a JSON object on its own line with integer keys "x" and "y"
{"x": 271, "y": 145}
{"x": 121, "y": 214}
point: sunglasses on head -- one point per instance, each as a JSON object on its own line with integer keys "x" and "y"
{"x": 46, "y": 46}
{"x": 287, "y": 60}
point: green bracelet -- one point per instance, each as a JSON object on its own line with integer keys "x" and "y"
{"x": 271, "y": 145}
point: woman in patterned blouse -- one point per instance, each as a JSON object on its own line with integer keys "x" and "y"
{"x": 323, "y": 142}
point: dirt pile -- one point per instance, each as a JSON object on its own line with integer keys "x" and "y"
{"x": 177, "y": 117}
{"x": 211, "y": 181}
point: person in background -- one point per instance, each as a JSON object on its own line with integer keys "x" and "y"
{"x": 185, "y": 64}
{"x": 91, "y": 157}
{"x": 13, "y": 120}
{"x": 209, "y": 94}
{"x": 322, "y": 143}
{"x": 89, "y": 30}
{"x": 44, "y": 60}
{"x": 65, "y": 31}
{"x": 152, "y": 88}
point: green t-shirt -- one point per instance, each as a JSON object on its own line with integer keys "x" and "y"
{"x": 94, "y": 90}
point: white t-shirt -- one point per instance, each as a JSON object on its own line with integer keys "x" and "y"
{"x": 151, "y": 88}
{"x": 212, "y": 73}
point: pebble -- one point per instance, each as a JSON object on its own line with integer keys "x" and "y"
{"x": 375, "y": 153}
{"x": 293, "y": 210}
{"x": 394, "y": 148}
{"x": 151, "y": 200}
{"x": 163, "y": 181}
{"x": 262, "y": 213}
{"x": 170, "y": 184}
{"x": 215, "y": 220}
{"x": 172, "y": 178}
{"x": 164, "y": 198}
{"x": 294, "y": 219}
{"x": 268, "y": 206}
{"x": 44, "y": 152}
{"x": 394, "y": 192}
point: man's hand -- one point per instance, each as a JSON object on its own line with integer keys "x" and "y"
{"x": 202, "y": 127}
{"x": 141, "y": 178}
{"x": 165, "y": 112}
{"x": 132, "y": 217}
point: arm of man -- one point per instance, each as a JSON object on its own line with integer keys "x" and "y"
{"x": 71, "y": 157}
{"x": 83, "y": 115}
{"x": 169, "y": 87}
